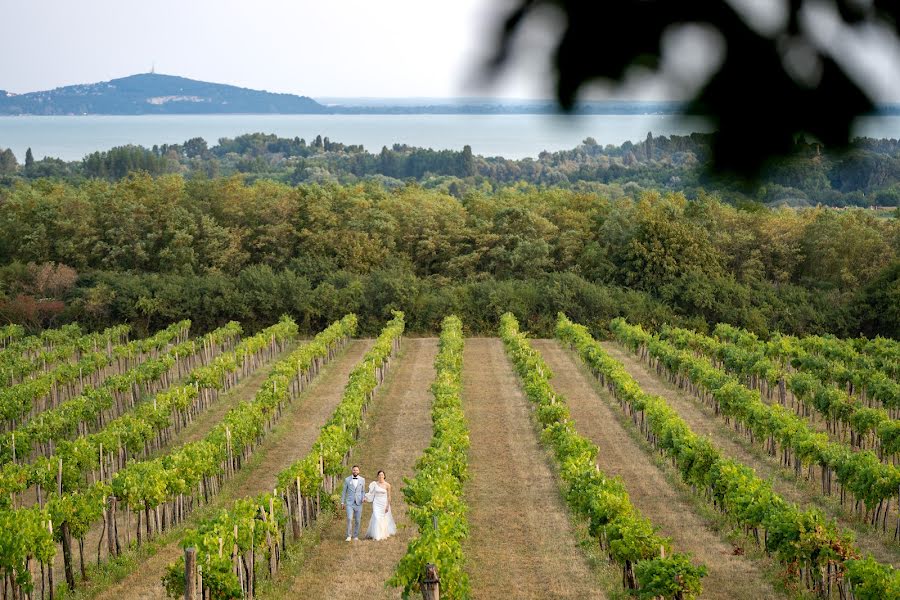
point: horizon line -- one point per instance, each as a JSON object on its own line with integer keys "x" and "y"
{"x": 460, "y": 98}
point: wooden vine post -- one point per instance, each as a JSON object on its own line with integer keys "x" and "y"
{"x": 431, "y": 585}
{"x": 112, "y": 535}
{"x": 67, "y": 555}
{"x": 190, "y": 574}
{"x": 65, "y": 535}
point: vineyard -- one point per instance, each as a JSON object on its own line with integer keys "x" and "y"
{"x": 610, "y": 461}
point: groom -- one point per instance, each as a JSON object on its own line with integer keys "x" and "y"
{"x": 352, "y": 496}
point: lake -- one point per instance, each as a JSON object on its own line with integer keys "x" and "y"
{"x": 512, "y": 136}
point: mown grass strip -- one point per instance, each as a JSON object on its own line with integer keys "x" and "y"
{"x": 629, "y": 538}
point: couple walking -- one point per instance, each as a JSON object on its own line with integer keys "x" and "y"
{"x": 353, "y": 494}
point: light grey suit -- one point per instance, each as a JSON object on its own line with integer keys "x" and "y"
{"x": 352, "y": 498}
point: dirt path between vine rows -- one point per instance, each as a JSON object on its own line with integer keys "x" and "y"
{"x": 399, "y": 431}
{"x": 290, "y": 440}
{"x": 703, "y": 421}
{"x": 521, "y": 541}
{"x": 730, "y": 575}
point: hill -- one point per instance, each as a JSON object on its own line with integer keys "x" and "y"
{"x": 152, "y": 93}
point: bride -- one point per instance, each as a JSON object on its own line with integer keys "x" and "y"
{"x": 382, "y": 525}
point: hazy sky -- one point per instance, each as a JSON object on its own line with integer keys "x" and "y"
{"x": 379, "y": 48}
{"x": 316, "y": 48}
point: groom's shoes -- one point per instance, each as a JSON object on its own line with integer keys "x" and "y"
{"x": 348, "y": 539}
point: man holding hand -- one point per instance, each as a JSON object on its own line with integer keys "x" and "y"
{"x": 352, "y": 497}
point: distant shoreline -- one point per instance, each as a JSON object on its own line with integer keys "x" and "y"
{"x": 386, "y": 110}
{"x": 512, "y": 136}
{"x": 424, "y": 110}
{"x": 146, "y": 94}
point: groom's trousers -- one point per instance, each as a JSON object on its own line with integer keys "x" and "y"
{"x": 354, "y": 518}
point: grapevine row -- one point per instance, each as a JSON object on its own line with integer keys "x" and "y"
{"x": 16, "y": 366}
{"x": 872, "y": 385}
{"x": 96, "y": 406}
{"x": 63, "y": 462}
{"x": 435, "y": 493}
{"x": 860, "y": 474}
{"x": 629, "y": 538}
{"x": 161, "y": 492}
{"x": 810, "y": 546}
{"x": 229, "y": 545}
{"x": 9, "y": 334}
{"x": 867, "y": 427}
{"x": 885, "y": 353}
{"x": 66, "y": 380}
{"x": 879, "y": 353}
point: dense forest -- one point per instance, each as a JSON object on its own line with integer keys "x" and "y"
{"x": 866, "y": 176}
{"x": 152, "y": 250}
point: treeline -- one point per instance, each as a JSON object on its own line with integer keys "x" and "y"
{"x": 866, "y": 176}
{"x": 152, "y": 250}
{"x": 119, "y": 162}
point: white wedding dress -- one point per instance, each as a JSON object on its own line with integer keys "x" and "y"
{"x": 382, "y": 525}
